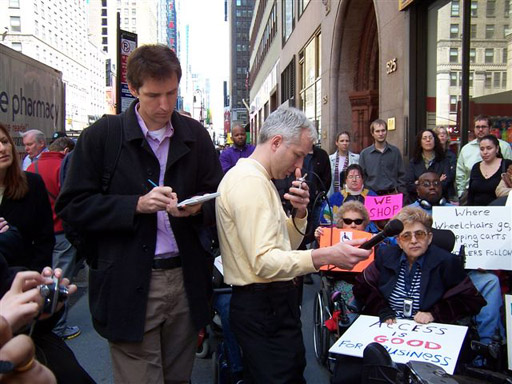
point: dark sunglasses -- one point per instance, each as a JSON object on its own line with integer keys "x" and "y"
{"x": 350, "y": 221}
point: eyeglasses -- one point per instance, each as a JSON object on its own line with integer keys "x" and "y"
{"x": 481, "y": 126}
{"x": 353, "y": 177}
{"x": 419, "y": 235}
{"x": 427, "y": 183}
{"x": 350, "y": 221}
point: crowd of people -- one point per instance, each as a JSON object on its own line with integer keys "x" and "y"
{"x": 114, "y": 196}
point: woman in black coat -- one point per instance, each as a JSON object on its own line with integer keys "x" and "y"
{"x": 428, "y": 156}
{"x": 26, "y": 206}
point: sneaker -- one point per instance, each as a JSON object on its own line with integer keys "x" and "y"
{"x": 70, "y": 332}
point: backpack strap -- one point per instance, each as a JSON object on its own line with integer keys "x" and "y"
{"x": 113, "y": 146}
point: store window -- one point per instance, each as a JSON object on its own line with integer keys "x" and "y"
{"x": 311, "y": 86}
{"x": 489, "y": 91}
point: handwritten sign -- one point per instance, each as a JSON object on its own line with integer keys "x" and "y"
{"x": 405, "y": 340}
{"x": 340, "y": 236}
{"x": 484, "y": 231}
{"x": 383, "y": 207}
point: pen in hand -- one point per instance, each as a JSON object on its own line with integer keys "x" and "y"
{"x": 152, "y": 183}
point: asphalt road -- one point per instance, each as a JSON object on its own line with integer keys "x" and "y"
{"x": 92, "y": 351}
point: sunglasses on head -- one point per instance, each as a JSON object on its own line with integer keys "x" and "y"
{"x": 419, "y": 235}
{"x": 350, "y": 221}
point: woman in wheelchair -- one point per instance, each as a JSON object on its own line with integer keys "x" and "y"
{"x": 416, "y": 280}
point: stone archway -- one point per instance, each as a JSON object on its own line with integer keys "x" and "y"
{"x": 356, "y": 66}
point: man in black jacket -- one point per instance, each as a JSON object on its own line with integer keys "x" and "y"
{"x": 150, "y": 277}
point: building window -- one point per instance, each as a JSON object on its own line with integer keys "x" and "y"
{"x": 16, "y": 45}
{"x": 104, "y": 21}
{"x": 453, "y": 103}
{"x": 104, "y": 31}
{"x": 490, "y": 10}
{"x": 288, "y": 19}
{"x": 454, "y": 55}
{"x": 104, "y": 40}
{"x": 488, "y": 80}
{"x": 453, "y": 79}
{"x": 505, "y": 55}
{"x": 454, "y": 31}
{"x": 15, "y": 24}
{"x": 310, "y": 88}
{"x": 504, "y": 80}
{"x": 455, "y": 8}
{"x": 472, "y": 55}
{"x": 473, "y": 31}
{"x": 497, "y": 79}
{"x": 302, "y": 6}
{"x": 505, "y": 31}
{"x": 506, "y": 9}
{"x": 489, "y": 55}
{"x": 103, "y": 3}
{"x": 288, "y": 86}
{"x": 489, "y": 31}
{"x": 470, "y": 79}
{"x": 15, "y": 4}
{"x": 474, "y": 9}
{"x": 103, "y": 12}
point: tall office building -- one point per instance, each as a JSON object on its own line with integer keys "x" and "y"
{"x": 239, "y": 17}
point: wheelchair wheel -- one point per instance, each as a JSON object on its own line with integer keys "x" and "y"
{"x": 320, "y": 332}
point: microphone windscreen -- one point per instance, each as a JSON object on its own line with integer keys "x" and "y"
{"x": 393, "y": 228}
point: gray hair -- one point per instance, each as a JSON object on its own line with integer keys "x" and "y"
{"x": 289, "y": 123}
{"x": 38, "y": 135}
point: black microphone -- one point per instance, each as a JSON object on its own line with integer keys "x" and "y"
{"x": 393, "y": 228}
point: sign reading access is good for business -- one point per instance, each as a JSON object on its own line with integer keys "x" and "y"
{"x": 405, "y": 340}
{"x": 486, "y": 233}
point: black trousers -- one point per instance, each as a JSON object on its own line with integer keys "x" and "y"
{"x": 265, "y": 319}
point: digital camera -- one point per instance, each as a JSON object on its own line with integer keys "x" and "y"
{"x": 53, "y": 294}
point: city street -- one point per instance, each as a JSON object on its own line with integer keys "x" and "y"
{"x": 92, "y": 351}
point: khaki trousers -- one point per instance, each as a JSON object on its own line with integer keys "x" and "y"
{"x": 167, "y": 351}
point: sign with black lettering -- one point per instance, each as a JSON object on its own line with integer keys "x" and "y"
{"x": 383, "y": 207}
{"x": 405, "y": 340}
{"x": 484, "y": 231}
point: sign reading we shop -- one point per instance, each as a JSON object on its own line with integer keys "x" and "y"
{"x": 383, "y": 207}
{"x": 405, "y": 340}
{"x": 484, "y": 231}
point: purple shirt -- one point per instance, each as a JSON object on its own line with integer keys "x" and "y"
{"x": 231, "y": 155}
{"x": 159, "y": 141}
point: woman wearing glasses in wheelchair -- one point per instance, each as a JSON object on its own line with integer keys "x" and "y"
{"x": 416, "y": 279}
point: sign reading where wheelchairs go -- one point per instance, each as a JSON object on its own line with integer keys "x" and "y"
{"x": 405, "y": 340}
{"x": 484, "y": 231}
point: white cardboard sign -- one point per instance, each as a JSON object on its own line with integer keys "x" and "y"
{"x": 485, "y": 232}
{"x": 405, "y": 340}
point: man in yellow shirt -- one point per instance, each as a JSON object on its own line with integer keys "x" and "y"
{"x": 257, "y": 242}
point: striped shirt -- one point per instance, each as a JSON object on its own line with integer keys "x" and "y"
{"x": 407, "y": 286}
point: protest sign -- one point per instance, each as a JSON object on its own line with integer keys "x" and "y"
{"x": 383, "y": 207}
{"x": 484, "y": 231}
{"x": 340, "y": 236}
{"x": 405, "y": 340}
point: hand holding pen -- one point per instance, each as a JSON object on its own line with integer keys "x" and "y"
{"x": 163, "y": 198}
{"x": 157, "y": 199}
